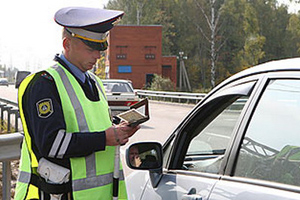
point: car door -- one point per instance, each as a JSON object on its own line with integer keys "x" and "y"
{"x": 195, "y": 154}
{"x": 265, "y": 159}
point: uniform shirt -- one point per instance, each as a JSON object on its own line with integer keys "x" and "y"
{"x": 75, "y": 70}
{"x": 44, "y": 130}
{"x": 81, "y": 78}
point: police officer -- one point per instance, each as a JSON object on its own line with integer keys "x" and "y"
{"x": 69, "y": 143}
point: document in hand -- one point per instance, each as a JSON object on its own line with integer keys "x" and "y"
{"x": 138, "y": 113}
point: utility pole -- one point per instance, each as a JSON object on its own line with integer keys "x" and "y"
{"x": 184, "y": 83}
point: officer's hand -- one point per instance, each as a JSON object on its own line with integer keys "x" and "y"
{"x": 119, "y": 134}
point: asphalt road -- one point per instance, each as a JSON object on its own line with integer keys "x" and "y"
{"x": 9, "y": 92}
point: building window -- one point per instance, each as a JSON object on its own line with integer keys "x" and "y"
{"x": 150, "y": 56}
{"x": 124, "y": 69}
{"x": 121, "y": 56}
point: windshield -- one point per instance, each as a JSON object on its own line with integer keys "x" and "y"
{"x": 117, "y": 87}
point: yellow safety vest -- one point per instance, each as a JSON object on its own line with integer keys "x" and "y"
{"x": 92, "y": 176}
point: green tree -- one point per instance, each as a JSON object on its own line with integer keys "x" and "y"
{"x": 252, "y": 51}
{"x": 154, "y": 12}
{"x": 161, "y": 84}
{"x": 294, "y": 31}
{"x": 220, "y": 37}
{"x": 233, "y": 19}
{"x": 211, "y": 11}
{"x": 273, "y": 20}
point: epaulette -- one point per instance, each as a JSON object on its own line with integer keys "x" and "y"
{"x": 47, "y": 76}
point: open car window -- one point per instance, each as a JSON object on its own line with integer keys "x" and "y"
{"x": 211, "y": 130}
{"x": 206, "y": 150}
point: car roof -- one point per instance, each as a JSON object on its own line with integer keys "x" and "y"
{"x": 116, "y": 80}
{"x": 290, "y": 64}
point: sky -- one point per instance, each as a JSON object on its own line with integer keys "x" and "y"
{"x": 29, "y": 37}
{"x": 293, "y": 7}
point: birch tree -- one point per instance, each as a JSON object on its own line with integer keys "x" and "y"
{"x": 214, "y": 37}
{"x": 139, "y": 5}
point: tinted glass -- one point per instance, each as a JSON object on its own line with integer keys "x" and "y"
{"x": 271, "y": 147}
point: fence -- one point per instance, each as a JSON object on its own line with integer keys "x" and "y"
{"x": 9, "y": 112}
{"x": 178, "y": 97}
{"x": 10, "y": 150}
{"x": 10, "y": 143}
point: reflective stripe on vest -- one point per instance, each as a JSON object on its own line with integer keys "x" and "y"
{"x": 92, "y": 175}
{"x": 98, "y": 85}
{"x": 83, "y": 127}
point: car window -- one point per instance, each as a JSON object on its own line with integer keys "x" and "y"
{"x": 271, "y": 147}
{"x": 206, "y": 150}
{"x": 117, "y": 87}
{"x": 210, "y": 132}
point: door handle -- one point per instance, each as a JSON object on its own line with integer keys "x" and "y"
{"x": 191, "y": 195}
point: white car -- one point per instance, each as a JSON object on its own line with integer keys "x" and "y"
{"x": 241, "y": 142}
{"x": 120, "y": 95}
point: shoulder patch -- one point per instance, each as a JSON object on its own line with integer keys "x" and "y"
{"x": 47, "y": 76}
{"x": 44, "y": 108}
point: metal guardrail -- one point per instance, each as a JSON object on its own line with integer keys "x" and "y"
{"x": 9, "y": 112}
{"x": 178, "y": 97}
{"x": 10, "y": 150}
{"x": 10, "y": 143}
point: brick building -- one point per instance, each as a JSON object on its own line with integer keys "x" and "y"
{"x": 135, "y": 53}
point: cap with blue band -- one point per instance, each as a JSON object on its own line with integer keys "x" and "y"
{"x": 91, "y": 25}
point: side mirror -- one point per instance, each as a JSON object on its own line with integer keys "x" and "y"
{"x": 144, "y": 156}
